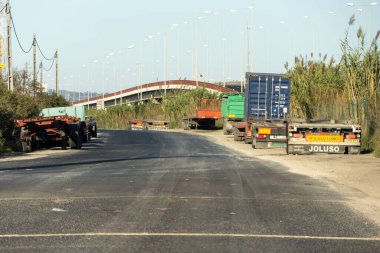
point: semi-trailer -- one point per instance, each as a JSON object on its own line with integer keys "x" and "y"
{"x": 232, "y": 104}
{"x": 155, "y": 125}
{"x": 266, "y": 108}
{"x": 323, "y": 136}
{"x": 204, "y": 115}
{"x": 41, "y": 132}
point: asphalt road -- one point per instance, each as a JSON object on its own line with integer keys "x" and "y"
{"x": 132, "y": 191}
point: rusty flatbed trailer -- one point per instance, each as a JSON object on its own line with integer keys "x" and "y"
{"x": 204, "y": 116}
{"x": 42, "y": 132}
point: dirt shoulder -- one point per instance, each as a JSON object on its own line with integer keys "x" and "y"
{"x": 355, "y": 176}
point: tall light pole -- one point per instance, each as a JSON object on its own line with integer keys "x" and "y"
{"x": 249, "y": 34}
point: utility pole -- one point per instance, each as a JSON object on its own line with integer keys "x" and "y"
{"x": 9, "y": 43}
{"x": 56, "y": 72}
{"x": 34, "y": 66}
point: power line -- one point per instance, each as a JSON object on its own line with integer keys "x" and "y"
{"x": 46, "y": 58}
{"x": 18, "y": 40}
{"x": 5, "y": 6}
{"x": 51, "y": 66}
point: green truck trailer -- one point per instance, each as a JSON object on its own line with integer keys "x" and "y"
{"x": 232, "y": 110}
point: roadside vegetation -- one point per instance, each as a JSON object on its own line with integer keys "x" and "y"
{"x": 348, "y": 88}
{"x": 173, "y": 108}
{"x": 26, "y": 101}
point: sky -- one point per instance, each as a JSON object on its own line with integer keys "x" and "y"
{"x": 108, "y": 45}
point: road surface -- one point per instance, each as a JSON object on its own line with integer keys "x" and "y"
{"x": 147, "y": 191}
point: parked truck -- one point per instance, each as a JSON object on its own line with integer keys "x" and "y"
{"x": 232, "y": 104}
{"x": 204, "y": 115}
{"x": 87, "y": 123}
{"x": 42, "y": 132}
{"x": 321, "y": 136}
{"x": 266, "y": 108}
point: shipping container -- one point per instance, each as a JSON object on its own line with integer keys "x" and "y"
{"x": 267, "y": 97}
{"x": 266, "y": 108}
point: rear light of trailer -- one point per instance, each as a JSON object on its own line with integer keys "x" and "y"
{"x": 261, "y": 136}
{"x": 350, "y": 136}
{"x": 298, "y": 135}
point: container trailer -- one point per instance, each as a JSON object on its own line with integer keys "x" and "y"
{"x": 266, "y": 108}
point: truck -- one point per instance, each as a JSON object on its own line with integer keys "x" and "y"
{"x": 204, "y": 115}
{"x": 323, "y": 136}
{"x": 232, "y": 104}
{"x": 49, "y": 131}
{"x": 88, "y": 123}
{"x": 266, "y": 108}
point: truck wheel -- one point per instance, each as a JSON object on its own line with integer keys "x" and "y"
{"x": 185, "y": 124}
{"x": 225, "y": 131}
{"x": 94, "y": 132}
{"x": 64, "y": 140}
{"x": 254, "y": 144}
{"x": 26, "y": 146}
{"x": 75, "y": 142}
{"x": 247, "y": 141}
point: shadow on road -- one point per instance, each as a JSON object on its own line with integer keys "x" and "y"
{"x": 110, "y": 161}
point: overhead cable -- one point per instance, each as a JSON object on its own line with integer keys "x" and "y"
{"x": 51, "y": 66}
{"x": 18, "y": 40}
{"x": 46, "y": 58}
{"x": 5, "y": 6}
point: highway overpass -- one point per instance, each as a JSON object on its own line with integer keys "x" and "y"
{"x": 147, "y": 92}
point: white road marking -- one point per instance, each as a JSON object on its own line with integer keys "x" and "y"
{"x": 181, "y": 197}
{"x": 58, "y": 210}
{"x": 147, "y": 234}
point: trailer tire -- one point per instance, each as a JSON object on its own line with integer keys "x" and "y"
{"x": 94, "y": 132}
{"x": 26, "y": 146}
{"x": 185, "y": 124}
{"x": 225, "y": 130}
{"x": 254, "y": 143}
{"x": 64, "y": 140}
{"x": 88, "y": 136}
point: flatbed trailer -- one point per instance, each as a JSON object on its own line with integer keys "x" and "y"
{"x": 88, "y": 123}
{"x": 155, "y": 125}
{"x": 204, "y": 116}
{"x": 41, "y": 132}
{"x": 135, "y": 125}
{"x": 323, "y": 137}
